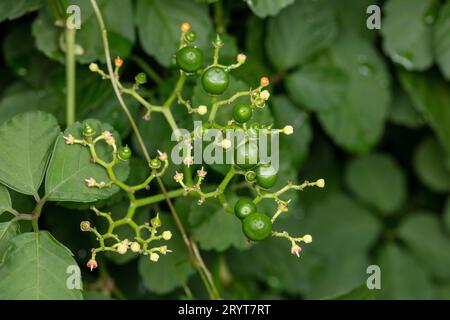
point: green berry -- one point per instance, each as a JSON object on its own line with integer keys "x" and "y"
{"x": 124, "y": 153}
{"x": 215, "y": 80}
{"x": 190, "y": 36}
{"x": 260, "y": 103}
{"x": 257, "y": 226}
{"x": 266, "y": 176}
{"x": 141, "y": 78}
{"x": 244, "y": 207}
{"x": 155, "y": 163}
{"x": 189, "y": 59}
{"x": 242, "y": 112}
{"x": 88, "y": 131}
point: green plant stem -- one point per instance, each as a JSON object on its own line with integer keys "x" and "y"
{"x": 70, "y": 75}
{"x": 104, "y": 33}
{"x": 37, "y": 213}
{"x": 197, "y": 264}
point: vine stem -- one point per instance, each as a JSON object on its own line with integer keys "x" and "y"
{"x": 70, "y": 75}
{"x": 198, "y": 263}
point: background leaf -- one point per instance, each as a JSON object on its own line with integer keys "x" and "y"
{"x": 35, "y": 268}
{"x": 159, "y": 22}
{"x": 8, "y": 230}
{"x": 172, "y": 270}
{"x": 70, "y": 165}
{"x": 5, "y": 199}
{"x": 27, "y": 141}
{"x": 299, "y": 31}
{"x": 378, "y": 180}
{"x": 441, "y": 40}
{"x": 264, "y": 8}
{"x": 410, "y": 49}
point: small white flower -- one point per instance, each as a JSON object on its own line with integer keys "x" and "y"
{"x": 109, "y": 138}
{"x": 178, "y": 177}
{"x": 162, "y": 156}
{"x": 264, "y": 95}
{"x": 93, "y": 67}
{"x": 201, "y": 110}
{"x": 201, "y": 173}
{"x": 69, "y": 139}
{"x": 135, "y": 247}
{"x": 320, "y": 183}
{"x": 307, "y": 238}
{"x": 90, "y": 182}
{"x": 167, "y": 235}
{"x": 164, "y": 250}
{"x": 295, "y": 249}
{"x": 287, "y": 130}
{"x": 154, "y": 257}
{"x": 122, "y": 248}
{"x": 241, "y": 58}
{"x": 188, "y": 161}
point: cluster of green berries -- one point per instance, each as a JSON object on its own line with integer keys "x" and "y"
{"x": 256, "y": 226}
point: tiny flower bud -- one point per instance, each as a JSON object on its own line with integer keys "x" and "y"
{"x": 93, "y": 67}
{"x": 85, "y": 226}
{"x": 90, "y": 182}
{"x": 190, "y": 36}
{"x": 118, "y": 62}
{"x": 164, "y": 250}
{"x": 135, "y": 247}
{"x": 287, "y": 130}
{"x": 156, "y": 221}
{"x": 265, "y": 95}
{"x": 109, "y": 138}
{"x": 167, "y": 235}
{"x": 250, "y": 176}
{"x": 122, "y": 248}
{"x": 320, "y": 183}
{"x": 241, "y": 58}
{"x": 92, "y": 264}
{"x": 155, "y": 163}
{"x": 88, "y": 130}
{"x": 185, "y": 27}
{"x": 307, "y": 238}
{"x": 201, "y": 173}
{"x": 178, "y": 177}
{"x": 264, "y": 82}
{"x": 162, "y": 156}
{"x": 295, "y": 249}
{"x": 188, "y": 161}
{"x": 69, "y": 139}
{"x": 225, "y": 143}
{"x": 154, "y": 257}
{"x": 201, "y": 110}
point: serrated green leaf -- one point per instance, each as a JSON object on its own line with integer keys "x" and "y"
{"x": 286, "y": 113}
{"x": 431, "y": 97}
{"x": 5, "y": 199}
{"x": 401, "y": 276}
{"x": 35, "y": 267}
{"x": 300, "y": 31}
{"x": 318, "y": 87}
{"x": 411, "y": 49}
{"x": 357, "y": 123}
{"x": 378, "y": 180}
{"x": 441, "y": 39}
{"x": 264, "y": 8}
{"x": 172, "y": 270}
{"x": 159, "y": 22}
{"x": 27, "y": 141}
{"x": 70, "y": 165}
{"x": 425, "y": 237}
{"x": 13, "y": 9}
{"x": 8, "y": 230}
{"x": 429, "y": 164}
